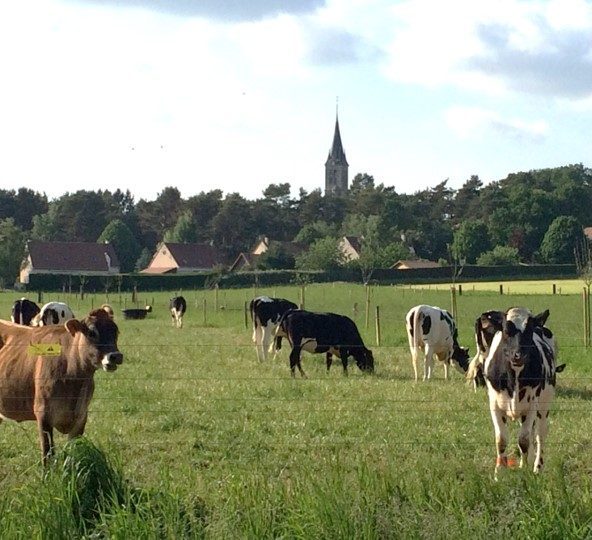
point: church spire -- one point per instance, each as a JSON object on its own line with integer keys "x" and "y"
{"x": 336, "y": 166}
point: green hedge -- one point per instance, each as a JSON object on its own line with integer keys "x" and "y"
{"x": 170, "y": 282}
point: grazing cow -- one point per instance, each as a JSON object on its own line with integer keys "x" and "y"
{"x": 47, "y": 373}
{"x": 23, "y": 311}
{"x": 433, "y": 331}
{"x": 266, "y": 314}
{"x": 53, "y": 313}
{"x": 486, "y": 326}
{"x": 178, "y": 307}
{"x": 519, "y": 371}
{"x": 324, "y": 333}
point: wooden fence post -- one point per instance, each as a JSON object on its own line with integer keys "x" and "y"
{"x": 205, "y": 311}
{"x": 246, "y": 315}
{"x": 377, "y": 321}
{"x": 586, "y": 306}
{"x": 453, "y": 300}
{"x": 302, "y": 296}
{"x": 367, "y": 306}
{"x": 501, "y": 289}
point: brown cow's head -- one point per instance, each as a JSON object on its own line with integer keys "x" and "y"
{"x": 100, "y": 330}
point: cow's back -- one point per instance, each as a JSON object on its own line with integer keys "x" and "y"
{"x": 325, "y": 328}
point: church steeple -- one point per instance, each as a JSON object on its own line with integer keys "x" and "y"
{"x": 336, "y": 166}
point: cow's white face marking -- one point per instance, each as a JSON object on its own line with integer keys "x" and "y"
{"x": 519, "y": 316}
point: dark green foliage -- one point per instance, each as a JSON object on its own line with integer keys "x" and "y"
{"x": 470, "y": 240}
{"x": 499, "y": 255}
{"x": 561, "y": 240}
{"x": 118, "y": 234}
{"x": 12, "y": 251}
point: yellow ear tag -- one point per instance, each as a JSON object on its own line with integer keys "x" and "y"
{"x": 45, "y": 349}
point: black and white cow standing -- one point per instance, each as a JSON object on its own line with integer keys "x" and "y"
{"x": 433, "y": 331}
{"x": 53, "y": 314}
{"x": 519, "y": 372}
{"x": 324, "y": 333}
{"x": 266, "y": 313}
{"x": 23, "y": 311}
{"x": 178, "y": 307}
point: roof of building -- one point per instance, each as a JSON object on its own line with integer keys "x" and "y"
{"x": 244, "y": 260}
{"x": 72, "y": 256}
{"x": 194, "y": 255}
{"x": 159, "y": 270}
{"x": 355, "y": 242}
{"x": 410, "y": 264}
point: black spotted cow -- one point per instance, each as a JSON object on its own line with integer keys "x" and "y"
{"x": 519, "y": 372}
{"x": 327, "y": 333}
{"x": 433, "y": 331}
{"x": 23, "y": 311}
{"x": 178, "y": 307}
{"x": 53, "y": 314}
{"x": 486, "y": 326}
{"x": 266, "y": 313}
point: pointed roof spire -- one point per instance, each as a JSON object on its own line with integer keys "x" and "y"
{"x": 336, "y": 153}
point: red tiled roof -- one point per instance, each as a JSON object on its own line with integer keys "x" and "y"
{"x": 71, "y": 256}
{"x": 194, "y": 255}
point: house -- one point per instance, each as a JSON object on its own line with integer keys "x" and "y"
{"x": 351, "y": 247}
{"x": 171, "y": 257}
{"x": 412, "y": 264}
{"x": 244, "y": 261}
{"x": 82, "y": 258}
{"x": 291, "y": 248}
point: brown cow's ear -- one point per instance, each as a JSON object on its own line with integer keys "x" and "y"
{"x": 73, "y": 326}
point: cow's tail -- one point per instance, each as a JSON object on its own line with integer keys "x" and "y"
{"x": 416, "y": 322}
{"x": 278, "y": 333}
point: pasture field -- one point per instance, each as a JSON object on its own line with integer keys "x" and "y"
{"x": 207, "y": 442}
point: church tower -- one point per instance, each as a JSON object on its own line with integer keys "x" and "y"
{"x": 336, "y": 167}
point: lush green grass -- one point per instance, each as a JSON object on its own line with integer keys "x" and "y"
{"x": 196, "y": 438}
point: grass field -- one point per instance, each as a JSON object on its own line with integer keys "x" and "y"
{"x": 203, "y": 441}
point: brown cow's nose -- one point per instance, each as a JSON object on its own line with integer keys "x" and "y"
{"x": 116, "y": 357}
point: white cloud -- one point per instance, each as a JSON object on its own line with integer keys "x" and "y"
{"x": 471, "y": 122}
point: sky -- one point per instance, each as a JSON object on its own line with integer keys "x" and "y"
{"x": 235, "y": 95}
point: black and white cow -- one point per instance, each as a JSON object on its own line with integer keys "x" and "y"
{"x": 486, "y": 326}
{"x": 519, "y": 371}
{"x": 53, "y": 314}
{"x": 266, "y": 313}
{"x": 324, "y": 333}
{"x": 433, "y": 331}
{"x": 178, "y": 307}
{"x": 23, "y": 311}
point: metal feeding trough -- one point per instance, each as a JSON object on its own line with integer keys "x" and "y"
{"x": 136, "y": 313}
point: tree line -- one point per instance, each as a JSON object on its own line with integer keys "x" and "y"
{"x": 529, "y": 217}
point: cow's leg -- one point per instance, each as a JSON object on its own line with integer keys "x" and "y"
{"x": 542, "y": 427}
{"x": 173, "y": 318}
{"x": 45, "y": 436}
{"x": 525, "y": 436}
{"x": 258, "y": 339}
{"x": 180, "y": 320}
{"x": 329, "y": 360}
{"x": 500, "y": 427}
{"x": 428, "y": 363}
{"x": 266, "y": 340}
{"x": 295, "y": 361}
{"x": 344, "y": 353}
{"x": 445, "y": 370}
{"x": 414, "y": 358}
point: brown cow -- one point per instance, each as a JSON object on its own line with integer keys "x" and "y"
{"x": 54, "y": 387}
